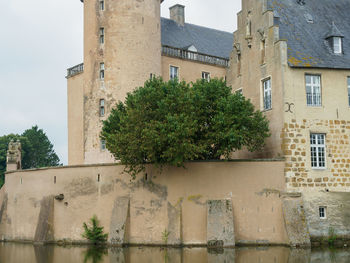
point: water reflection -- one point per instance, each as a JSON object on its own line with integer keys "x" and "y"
{"x": 95, "y": 254}
{"x": 14, "y": 253}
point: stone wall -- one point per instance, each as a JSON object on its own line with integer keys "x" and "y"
{"x": 337, "y": 218}
{"x": 140, "y": 211}
{"x": 296, "y": 148}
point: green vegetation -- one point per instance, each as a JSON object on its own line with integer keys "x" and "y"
{"x": 37, "y": 150}
{"x": 94, "y": 232}
{"x": 169, "y": 123}
{"x": 165, "y": 236}
{"x": 332, "y": 237}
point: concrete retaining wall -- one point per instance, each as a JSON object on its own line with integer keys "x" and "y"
{"x": 174, "y": 202}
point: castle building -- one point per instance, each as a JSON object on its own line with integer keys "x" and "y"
{"x": 289, "y": 57}
{"x": 126, "y": 43}
{"x": 292, "y": 59}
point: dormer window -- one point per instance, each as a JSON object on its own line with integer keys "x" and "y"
{"x": 337, "y": 45}
{"x": 335, "y": 39}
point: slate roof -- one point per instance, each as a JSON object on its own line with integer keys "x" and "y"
{"x": 307, "y": 44}
{"x": 206, "y": 40}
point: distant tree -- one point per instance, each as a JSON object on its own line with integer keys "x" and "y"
{"x": 174, "y": 122}
{"x": 37, "y": 150}
{"x": 40, "y": 148}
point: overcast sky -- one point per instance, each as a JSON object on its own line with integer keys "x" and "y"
{"x": 40, "y": 39}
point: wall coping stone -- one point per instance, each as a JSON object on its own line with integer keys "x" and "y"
{"x": 114, "y": 164}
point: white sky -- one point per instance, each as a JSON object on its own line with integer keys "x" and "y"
{"x": 40, "y": 39}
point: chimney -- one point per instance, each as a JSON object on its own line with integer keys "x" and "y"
{"x": 177, "y": 13}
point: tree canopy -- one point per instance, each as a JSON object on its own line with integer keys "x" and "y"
{"x": 174, "y": 122}
{"x": 37, "y": 150}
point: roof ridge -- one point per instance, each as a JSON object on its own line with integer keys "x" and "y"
{"x": 222, "y": 31}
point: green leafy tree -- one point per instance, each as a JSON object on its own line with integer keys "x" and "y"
{"x": 174, "y": 122}
{"x": 41, "y": 150}
{"x": 94, "y": 232}
{"x": 37, "y": 150}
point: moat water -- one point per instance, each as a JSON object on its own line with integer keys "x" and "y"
{"x": 21, "y": 253}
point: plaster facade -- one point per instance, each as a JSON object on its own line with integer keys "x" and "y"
{"x": 175, "y": 200}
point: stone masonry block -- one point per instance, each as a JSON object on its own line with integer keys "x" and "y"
{"x": 119, "y": 221}
{"x": 220, "y": 223}
{"x": 174, "y": 225}
{"x": 44, "y": 230}
{"x": 295, "y": 221}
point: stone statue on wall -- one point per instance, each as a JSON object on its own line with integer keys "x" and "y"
{"x": 14, "y": 156}
{"x": 248, "y": 36}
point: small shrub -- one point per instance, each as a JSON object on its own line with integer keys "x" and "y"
{"x": 94, "y": 232}
{"x": 165, "y": 236}
{"x": 332, "y": 237}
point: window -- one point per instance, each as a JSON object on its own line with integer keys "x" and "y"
{"x": 174, "y": 72}
{"x": 318, "y": 149}
{"x": 322, "y": 212}
{"x": 206, "y": 76}
{"x": 337, "y": 45}
{"x": 263, "y": 51}
{"x": 102, "y": 35}
{"x": 102, "y": 71}
{"x": 267, "y": 94}
{"x": 103, "y": 145}
{"x": 349, "y": 91}
{"x": 102, "y": 107}
{"x": 313, "y": 90}
{"x": 102, "y": 5}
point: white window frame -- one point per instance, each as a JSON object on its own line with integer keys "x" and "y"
{"x": 206, "y": 75}
{"x": 102, "y": 35}
{"x": 267, "y": 94}
{"x": 172, "y": 70}
{"x": 102, "y": 108}
{"x": 322, "y": 212}
{"x": 337, "y": 45}
{"x": 103, "y": 145}
{"x": 102, "y": 71}
{"x": 318, "y": 150}
{"x": 313, "y": 90}
{"x": 102, "y": 5}
{"x": 348, "y": 79}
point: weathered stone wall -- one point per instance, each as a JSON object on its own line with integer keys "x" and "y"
{"x": 337, "y": 206}
{"x": 331, "y": 118}
{"x": 130, "y": 53}
{"x": 259, "y": 55}
{"x": 141, "y": 211}
{"x": 296, "y": 148}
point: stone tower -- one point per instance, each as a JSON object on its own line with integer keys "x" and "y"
{"x": 122, "y": 48}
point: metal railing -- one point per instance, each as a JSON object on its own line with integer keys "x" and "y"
{"x": 195, "y": 56}
{"x": 75, "y": 70}
{"x": 314, "y": 99}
